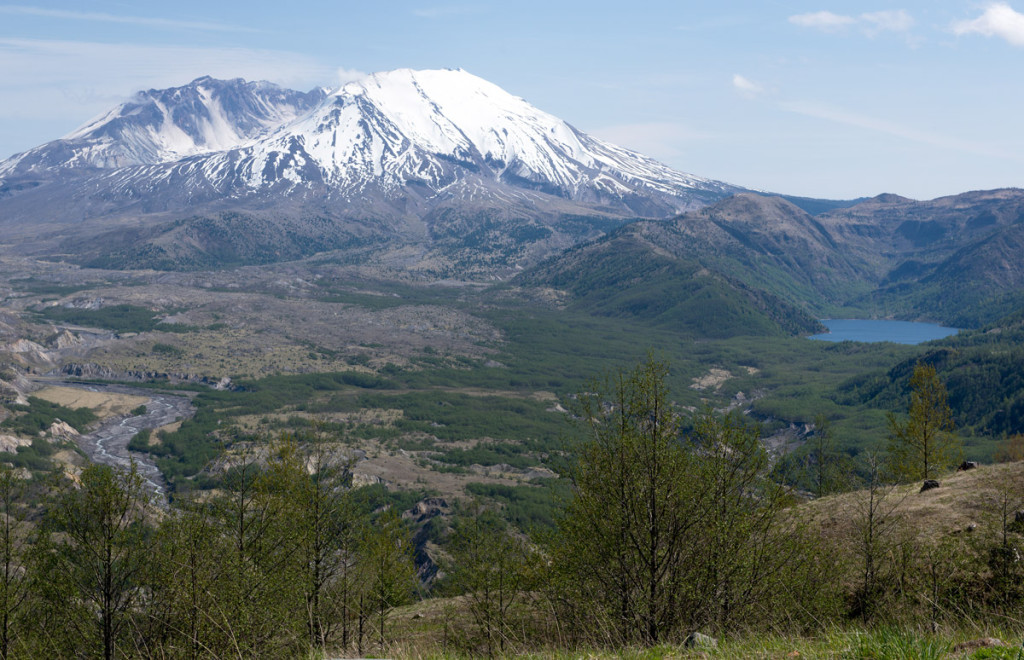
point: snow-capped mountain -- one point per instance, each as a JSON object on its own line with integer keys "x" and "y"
{"x": 161, "y": 126}
{"x": 434, "y": 128}
{"x": 403, "y": 156}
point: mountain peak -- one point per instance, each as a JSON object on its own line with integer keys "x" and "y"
{"x": 165, "y": 125}
{"x": 398, "y": 152}
{"x": 447, "y": 131}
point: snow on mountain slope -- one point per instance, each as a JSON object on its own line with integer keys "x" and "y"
{"x": 397, "y": 143}
{"x": 160, "y": 126}
{"x": 442, "y": 126}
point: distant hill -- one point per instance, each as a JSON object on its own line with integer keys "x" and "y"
{"x": 816, "y": 206}
{"x": 699, "y": 273}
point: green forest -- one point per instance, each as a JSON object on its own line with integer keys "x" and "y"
{"x": 673, "y": 533}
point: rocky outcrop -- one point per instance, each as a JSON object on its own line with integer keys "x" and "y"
{"x": 421, "y": 514}
{"x": 29, "y": 352}
{"x": 61, "y": 430}
{"x": 98, "y": 372}
{"x": 10, "y": 443}
{"x": 983, "y": 643}
{"x": 14, "y": 386}
{"x": 427, "y": 509}
{"x": 64, "y": 339}
{"x": 698, "y": 640}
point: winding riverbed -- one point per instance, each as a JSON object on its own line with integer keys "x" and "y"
{"x": 108, "y": 444}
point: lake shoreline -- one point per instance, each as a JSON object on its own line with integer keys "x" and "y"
{"x": 874, "y": 331}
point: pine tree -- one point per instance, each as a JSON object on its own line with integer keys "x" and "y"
{"x": 14, "y": 554}
{"x": 492, "y": 568}
{"x": 102, "y": 549}
{"x": 626, "y": 528}
{"x": 924, "y": 444}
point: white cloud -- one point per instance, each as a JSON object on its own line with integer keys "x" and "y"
{"x": 871, "y": 23}
{"x": 346, "y": 76}
{"x": 22, "y": 10}
{"x": 887, "y": 21}
{"x": 822, "y": 20}
{"x": 746, "y": 87}
{"x": 840, "y": 116}
{"x": 67, "y": 82}
{"x": 999, "y": 20}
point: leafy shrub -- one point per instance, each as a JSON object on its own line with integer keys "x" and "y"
{"x": 167, "y": 349}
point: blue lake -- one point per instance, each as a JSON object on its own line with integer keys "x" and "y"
{"x": 899, "y": 332}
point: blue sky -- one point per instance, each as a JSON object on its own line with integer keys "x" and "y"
{"x": 823, "y": 99}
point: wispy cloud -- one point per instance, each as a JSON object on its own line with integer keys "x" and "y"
{"x": 746, "y": 87}
{"x": 870, "y": 23}
{"x": 826, "y": 112}
{"x": 69, "y": 81}
{"x": 998, "y": 20}
{"x": 21, "y": 10}
{"x": 346, "y": 76}
{"x": 887, "y": 21}
{"x": 822, "y": 20}
{"x": 875, "y": 124}
{"x": 663, "y": 141}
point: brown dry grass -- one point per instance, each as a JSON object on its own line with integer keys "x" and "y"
{"x": 968, "y": 501}
{"x": 103, "y": 404}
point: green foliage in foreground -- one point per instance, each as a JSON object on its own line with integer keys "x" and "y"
{"x": 669, "y": 524}
{"x": 280, "y": 563}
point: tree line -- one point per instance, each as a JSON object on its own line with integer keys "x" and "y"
{"x": 682, "y": 523}
{"x": 281, "y": 560}
{"x": 678, "y": 522}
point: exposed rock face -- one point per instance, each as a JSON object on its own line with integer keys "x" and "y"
{"x": 61, "y": 430}
{"x": 65, "y": 339}
{"x": 29, "y": 351}
{"x": 428, "y": 508}
{"x": 13, "y": 391}
{"x": 422, "y": 513}
{"x": 11, "y": 443}
{"x": 90, "y": 370}
{"x": 360, "y": 479}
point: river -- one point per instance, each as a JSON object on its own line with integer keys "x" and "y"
{"x": 108, "y": 444}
